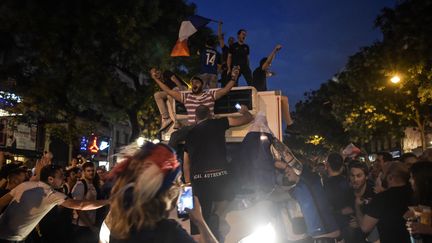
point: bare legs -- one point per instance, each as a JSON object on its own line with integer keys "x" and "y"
{"x": 285, "y": 111}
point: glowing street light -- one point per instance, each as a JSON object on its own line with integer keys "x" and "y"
{"x": 140, "y": 141}
{"x": 395, "y": 79}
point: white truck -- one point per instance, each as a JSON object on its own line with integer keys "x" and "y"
{"x": 241, "y": 221}
{"x": 268, "y": 102}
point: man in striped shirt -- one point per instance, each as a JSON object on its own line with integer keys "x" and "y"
{"x": 199, "y": 96}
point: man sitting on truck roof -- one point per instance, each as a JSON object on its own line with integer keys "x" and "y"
{"x": 260, "y": 75}
{"x": 173, "y": 81}
{"x": 199, "y": 96}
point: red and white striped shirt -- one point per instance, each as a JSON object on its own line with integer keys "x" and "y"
{"x": 192, "y": 101}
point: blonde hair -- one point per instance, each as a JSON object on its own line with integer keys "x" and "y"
{"x": 136, "y": 201}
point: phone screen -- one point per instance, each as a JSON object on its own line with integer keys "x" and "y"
{"x": 185, "y": 200}
{"x": 237, "y": 106}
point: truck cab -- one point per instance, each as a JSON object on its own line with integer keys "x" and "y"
{"x": 268, "y": 102}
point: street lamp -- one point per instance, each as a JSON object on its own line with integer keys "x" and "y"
{"x": 140, "y": 141}
{"x": 395, "y": 79}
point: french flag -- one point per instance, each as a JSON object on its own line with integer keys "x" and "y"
{"x": 187, "y": 28}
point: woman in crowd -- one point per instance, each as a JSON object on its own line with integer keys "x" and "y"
{"x": 421, "y": 182}
{"x": 146, "y": 188}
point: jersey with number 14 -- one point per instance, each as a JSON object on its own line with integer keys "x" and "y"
{"x": 210, "y": 58}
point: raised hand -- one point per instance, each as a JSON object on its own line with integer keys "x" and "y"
{"x": 155, "y": 74}
{"x": 235, "y": 72}
{"x": 243, "y": 109}
{"x": 195, "y": 214}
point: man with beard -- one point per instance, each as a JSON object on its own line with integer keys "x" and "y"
{"x": 387, "y": 208}
{"x": 84, "y": 222}
{"x": 199, "y": 96}
{"x": 363, "y": 191}
{"x": 339, "y": 194}
{"x": 238, "y": 55}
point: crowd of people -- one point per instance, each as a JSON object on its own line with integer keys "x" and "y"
{"x": 344, "y": 199}
{"x": 341, "y": 200}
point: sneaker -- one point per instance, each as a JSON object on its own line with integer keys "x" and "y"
{"x": 166, "y": 122}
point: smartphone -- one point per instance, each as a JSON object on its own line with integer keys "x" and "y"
{"x": 184, "y": 201}
{"x": 237, "y": 106}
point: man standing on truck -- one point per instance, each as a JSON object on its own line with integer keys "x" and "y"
{"x": 225, "y": 50}
{"x": 238, "y": 55}
{"x": 199, "y": 96}
{"x": 260, "y": 75}
{"x": 205, "y": 162}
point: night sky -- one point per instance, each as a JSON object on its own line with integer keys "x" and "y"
{"x": 317, "y": 36}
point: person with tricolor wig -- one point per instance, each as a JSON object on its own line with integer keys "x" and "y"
{"x": 147, "y": 185}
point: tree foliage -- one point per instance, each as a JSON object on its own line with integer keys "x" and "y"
{"x": 320, "y": 132}
{"x": 362, "y": 98}
{"x": 90, "y": 59}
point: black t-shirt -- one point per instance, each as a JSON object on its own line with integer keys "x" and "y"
{"x": 340, "y": 195}
{"x": 225, "y": 51}
{"x": 205, "y": 145}
{"x": 239, "y": 54}
{"x": 389, "y": 207}
{"x": 260, "y": 79}
{"x": 369, "y": 191}
{"x": 367, "y": 196}
{"x": 166, "y": 231}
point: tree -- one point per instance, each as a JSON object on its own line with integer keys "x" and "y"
{"x": 320, "y": 132}
{"x": 89, "y": 59}
{"x": 362, "y": 99}
{"x": 371, "y": 105}
{"x": 407, "y": 36}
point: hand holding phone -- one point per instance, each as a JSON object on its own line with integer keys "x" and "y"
{"x": 185, "y": 200}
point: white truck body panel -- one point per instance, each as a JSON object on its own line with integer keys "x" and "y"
{"x": 268, "y": 102}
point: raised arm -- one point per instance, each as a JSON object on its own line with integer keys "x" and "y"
{"x": 186, "y": 167}
{"x": 178, "y": 83}
{"x": 223, "y": 91}
{"x": 229, "y": 62}
{"x": 197, "y": 218}
{"x": 220, "y": 35}
{"x": 157, "y": 77}
{"x": 84, "y": 204}
{"x": 271, "y": 57}
{"x": 242, "y": 120}
{"x": 5, "y": 200}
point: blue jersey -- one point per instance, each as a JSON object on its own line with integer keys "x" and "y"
{"x": 210, "y": 58}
